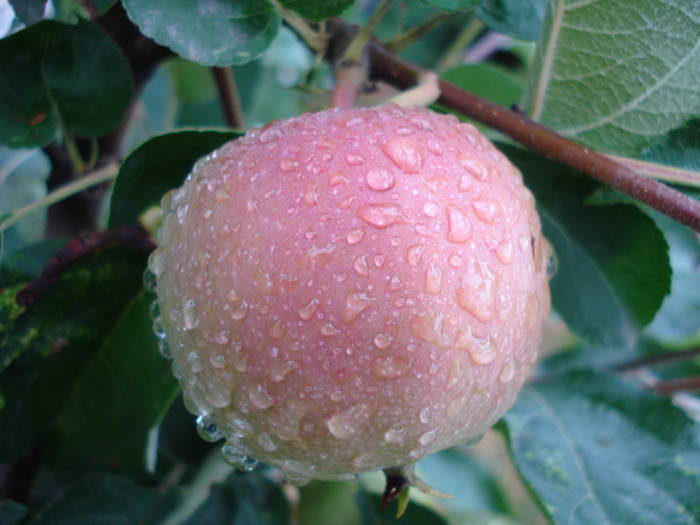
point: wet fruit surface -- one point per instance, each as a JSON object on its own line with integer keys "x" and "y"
{"x": 351, "y": 290}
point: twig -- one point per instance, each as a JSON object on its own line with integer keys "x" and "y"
{"x": 682, "y": 384}
{"x": 406, "y": 38}
{"x": 104, "y": 174}
{"x": 78, "y": 247}
{"x": 228, "y": 95}
{"x": 357, "y": 45}
{"x": 659, "y": 171}
{"x": 658, "y": 360}
{"x": 386, "y": 66}
{"x": 453, "y": 56}
{"x": 485, "y": 47}
{"x": 312, "y": 38}
{"x": 351, "y": 69}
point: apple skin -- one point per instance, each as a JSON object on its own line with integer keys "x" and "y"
{"x": 351, "y": 290}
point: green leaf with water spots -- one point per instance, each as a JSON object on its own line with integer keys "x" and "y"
{"x": 617, "y": 76}
{"x": 595, "y": 448}
{"x": 213, "y": 33}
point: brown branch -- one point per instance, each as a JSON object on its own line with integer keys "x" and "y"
{"x": 658, "y": 360}
{"x": 386, "y": 66}
{"x": 228, "y": 95}
{"x": 682, "y": 384}
{"x": 132, "y": 236}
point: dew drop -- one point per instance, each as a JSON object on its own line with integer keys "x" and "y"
{"x": 354, "y": 160}
{"x": 347, "y": 423}
{"x": 288, "y": 164}
{"x": 307, "y": 311}
{"x": 360, "y": 265}
{"x": 363, "y": 460}
{"x": 354, "y": 236}
{"x": 395, "y": 435}
{"x": 277, "y": 330}
{"x": 164, "y": 349}
{"x": 329, "y": 330}
{"x": 149, "y": 280}
{"x": 507, "y": 372}
{"x": 475, "y": 167}
{"x": 269, "y": 135}
{"x": 458, "y": 229}
{"x": 266, "y": 443}
{"x": 389, "y": 366}
{"x": 194, "y": 362}
{"x": 424, "y": 415}
{"x": 427, "y": 437}
{"x": 356, "y": 302}
{"x": 181, "y": 213}
{"x": 381, "y": 215}
{"x": 476, "y": 296}
{"x": 189, "y": 315}
{"x": 380, "y": 179}
{"x": 207, "y": 429}
{"x": 236, "y": 456}
{"x": 240, "y": 312}
{"x": 394, "y": 283}
{"x": 382, "y": 341}
{"x": 431, "y": 209}
{"x": 414, "y": 253}
{"x": 465, "y": 182}
{"x": 405, "y": 153}
{"x": 156, "y": 262}
{"x": 217, "y": 360}
{"x": 504, "y": 252}
{"x": 485, "y": 210}
{"x": 379, "y": 261}
{"x": 222, "y": 337}
{"x": 281, "y": 369}
{"x": 260, "y": 398}
{"x": 455, "y": 261}
{"x": 434, "y": 147}
{"x": 295, "y": 474}
{"x": 480, "y": 350}
{"x": 433, "y": 279}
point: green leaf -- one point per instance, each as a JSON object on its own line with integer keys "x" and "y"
{"x": 214, "y": 33}
{"x": 23, "y": 176}
{"x": 243, "y": 499}
{"x": 28, "y": 11}
{"x": 121, "y": 397}
{"x": 680, "y": 148}
{"x": 521, "y": 19}
{"x": 679, "y": 316}
{"x": 595, "y": 448}
{"x": 48, "y": 78}
{"x": 57, "y": 336}
{"x": 490, "y": 82}
{"x": 617, "y": 76}
{"x": 613, "y": 268}
{"x": 416, "y": 514}
{"x": 453, "y": 5}
{"x": 105, "y": 499}
{"x": 157, "y": 166}
{"x": 12, "y": 513}
{"x": 318, "y": 9}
